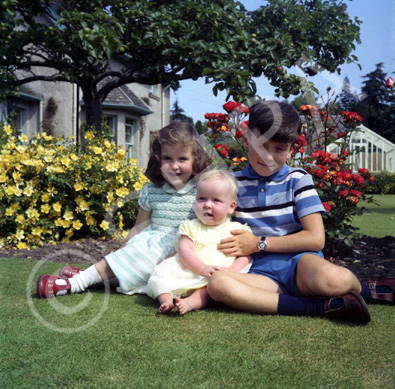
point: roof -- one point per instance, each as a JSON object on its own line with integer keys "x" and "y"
{"x": 27, "y": 93}
{"x": 124, "y": 98}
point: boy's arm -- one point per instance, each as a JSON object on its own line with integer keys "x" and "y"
{"x": 188, "y": 257}
{"x": 143, "y": 220}
{"x": 310, "y": 238}
{"x": 240, "y": 263}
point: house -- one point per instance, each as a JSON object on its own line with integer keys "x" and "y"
{"x": 132, "y": 112}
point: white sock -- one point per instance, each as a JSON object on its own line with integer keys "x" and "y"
{"x": 84, "y": 279}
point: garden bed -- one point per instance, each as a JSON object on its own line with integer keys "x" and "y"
{"x": 368, "y": 258}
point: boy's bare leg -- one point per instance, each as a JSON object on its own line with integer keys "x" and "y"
{"x": 104, "y": 270}
{"x": 316, "y": 276}
{"x": 246, "y": 292}
{"x": 166, "y": 302}
{"x": 197, "y": 300}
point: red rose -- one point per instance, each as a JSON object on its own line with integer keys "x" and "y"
{"x": 319, "y": 173}
{"x": 390, "y": 83}
{"x": 351, "y": 117}
{"x": 301, "y": 140}
{"x": 356, "y": 193}
{"x": 230, "y": 106}
{"x": 243, "y": 109}
{"x": 244, "y": 125}
{"x": 327, "y": 207}
{"x": 239, "y": 134}
{"x": 223, "y": 150}
{"x": 359, "y": 180}
{"x": 353, "y": 199}
{"x": 342, "y": 134}
{"x": 343, "y": 193}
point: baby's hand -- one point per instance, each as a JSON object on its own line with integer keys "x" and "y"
{"x": 208, "y": 271}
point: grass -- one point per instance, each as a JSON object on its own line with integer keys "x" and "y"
{"x": 104, "y": 339}
{"x": 132, "y": 347}
{"x": 378, "y": 220}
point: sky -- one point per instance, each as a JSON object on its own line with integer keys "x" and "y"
{"x": 377, "y": 33}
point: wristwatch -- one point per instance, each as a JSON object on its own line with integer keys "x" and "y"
{"x": 262, "y": 245}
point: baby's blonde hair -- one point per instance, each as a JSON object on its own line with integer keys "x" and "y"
{"x": 220, "y": 175}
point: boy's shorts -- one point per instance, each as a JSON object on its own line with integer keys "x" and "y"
{"x": 281, "y": 268}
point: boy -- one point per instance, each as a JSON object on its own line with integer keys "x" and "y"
{"x": 282, "y": 207}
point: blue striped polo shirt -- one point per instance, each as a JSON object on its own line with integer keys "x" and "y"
{"x": 274, "y": 205}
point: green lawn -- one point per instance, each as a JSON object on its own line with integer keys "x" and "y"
{"x": 378, "y": 220}
{"x": 124, "y": 344}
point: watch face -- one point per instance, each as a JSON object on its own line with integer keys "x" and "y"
{"x": 262, "y": 245}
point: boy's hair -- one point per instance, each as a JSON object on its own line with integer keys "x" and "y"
{"x": 177, "y": 133}
{"x": 221, "y": 175}
{"x": 279, "y": 121}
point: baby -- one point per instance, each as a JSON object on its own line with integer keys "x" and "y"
{"x": 186, "y": 274}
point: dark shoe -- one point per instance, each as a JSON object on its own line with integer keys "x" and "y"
{"x": 69, "y": 271}
{"x": 388, "y": 296}
{"x": 52, "y": 286}
{"x": 353, "y": 309}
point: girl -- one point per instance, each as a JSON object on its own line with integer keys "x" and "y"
{"x": 198, "y": 258}
{"x": 176, "y": 157}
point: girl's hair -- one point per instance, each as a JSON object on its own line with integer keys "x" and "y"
{"x": 221, "y": 175}
{"x": 177, "y": 133}
{"x": 279, "y": 120}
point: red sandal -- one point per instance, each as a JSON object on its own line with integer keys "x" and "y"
{"x": 69, "y": 271}
{"x": 52, "y": 286}
{"x": 388, "y": 296}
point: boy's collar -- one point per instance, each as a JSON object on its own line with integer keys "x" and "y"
{"x": 277, "y": 176}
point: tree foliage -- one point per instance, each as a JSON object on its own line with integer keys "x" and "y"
{"x": 167, "y": 41}
{"x": 177, "y": 114}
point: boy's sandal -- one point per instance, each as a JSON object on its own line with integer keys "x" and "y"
{"x": 353, "y": 309}
{"x": 69, "y": 271}
{"x": 52, "y": 286}
{"x": 386, "y": 282}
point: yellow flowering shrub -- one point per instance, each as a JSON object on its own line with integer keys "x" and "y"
{"x": 50, "y": 192}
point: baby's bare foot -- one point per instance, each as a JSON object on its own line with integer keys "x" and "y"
{"x": 166, "y": 303}
{"x": 184, "y": 305}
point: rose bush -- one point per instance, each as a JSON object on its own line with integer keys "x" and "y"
{"x": 338, "y": 187}
{"x": 49, "y": 192}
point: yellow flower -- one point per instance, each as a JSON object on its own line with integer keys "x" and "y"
{"x": 59, "y": 222}
{"x": 110, "y": 197}
{"x": 66, "y": 223}
{"x": 122, "y": 192}
{"x": 66, "y": 161}
{"x": 11, "y": 210}
{"x": 20, "y": 234}
{"x": 74, "y": 157}
{"x": 45, "y": 208}
{"x": 18, "y": 192}
{"x": 68, "y": 215}
{"x": 32, "y": 213}
{"x": 89, "y": 165}
{"x": 21, "y": 246}
{"x": 57, "y": 207}
{"x": 84, "y": 205}
{"x": 89, "y": 135}
{"x": 78, "y": 186}
{"x": 3, "y": 178}
{"x": 133, "y": 161}
{"x": 7, "y": 129}
{"x": 90, "y": 220}
{"x": 104, "y": 225}
{"x": 111, "y": 167}
{"x": 120, "y": 179}
{"x": 37, "y": 231}
{"x": 10, "y": 190}
{"x": 70, "y": 232}
{"x": 46, "y": 137}
{"x": 97, "y": 150}
{"x": 108, "y": 144}
{"x": 28, "y": 191}
{"x": 23, "y": 138}
{"x": 138, "y": 185}
{"x": 77, "y": 225}
{"x": 45, "y": 197}
{"x": 20, "y": 219}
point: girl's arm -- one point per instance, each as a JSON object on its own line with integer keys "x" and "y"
{"x": 310, "y": 238}
{"x": 186, "y": 250}
{"x": 240, "y": 263}
{"x": 143, "y": 220}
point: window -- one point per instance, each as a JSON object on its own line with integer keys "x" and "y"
{"x": 154, "y": 89}
{"x": 111, "y": 122}
{"x": 18, "y": 121}
{"x": 129, "y": 137}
